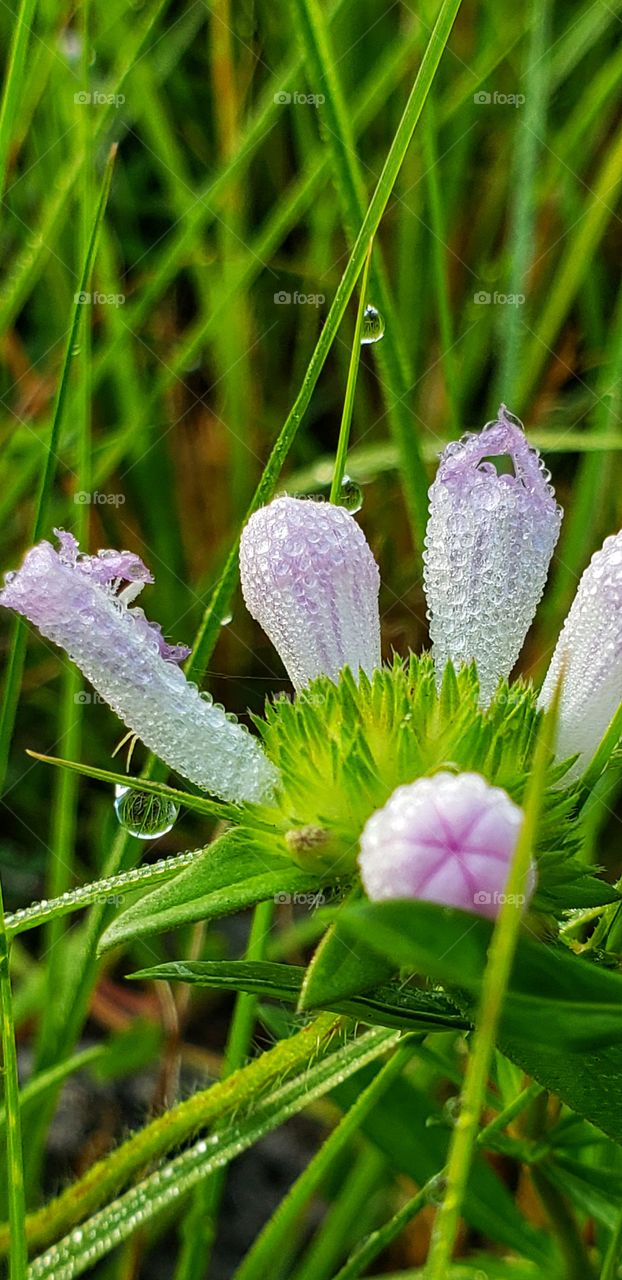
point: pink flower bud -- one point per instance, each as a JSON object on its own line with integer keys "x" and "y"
{"x": 448, "y": 839}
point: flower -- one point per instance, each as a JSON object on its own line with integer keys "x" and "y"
{"x": 448, "y": 839}
{"x": 588, "y": 657}
{"x": 489, "y": 542}
{"x": 310, "y": 579}
{"x": 76, "y": 601}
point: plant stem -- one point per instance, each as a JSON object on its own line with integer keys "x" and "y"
{"x": 220, "y": 599}
{"x": 496, "y": 976}
{"x": 265, "y": 1251}
{"x": 202, "y": 1219}
{"x": 348, "y": 403}
{"x": 18, "y": 1255}
{"x": 379, "y": 1240}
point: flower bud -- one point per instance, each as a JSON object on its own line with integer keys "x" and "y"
{"x": 489, "y": 542}
{"x": 588, "y": 657}
{"x": 448, "y": 839}
{"x": 76, "y": 601}
{"x": 309, "y": 578}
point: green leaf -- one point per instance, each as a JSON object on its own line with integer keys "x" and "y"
{"x": 230, "y": 874}
{"x": 554, "y": 998}
{"x": 557, "y": 1004}
{"x": 392, "y": 1005}
{"x": 342, "y": 967}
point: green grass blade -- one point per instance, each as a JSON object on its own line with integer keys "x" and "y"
{"x": 221, "y": 597}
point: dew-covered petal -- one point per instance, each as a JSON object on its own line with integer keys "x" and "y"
{"x": 310, "y": 579}
{"x": 589, "y": 652}
{"x": 448, "y": 839}
{"x": 489, "y": 541}
{"x": 75, "y": 601}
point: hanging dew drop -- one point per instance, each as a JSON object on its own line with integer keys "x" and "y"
{"x": 350, "y": 495}
{"x": 226, "y": 620}
{"x": 373, "y": 326}
{"x": 142, "y": 815}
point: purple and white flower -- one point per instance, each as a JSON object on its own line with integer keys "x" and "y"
{"x": 311, "y": 581}
{"x": 449, "y": 839}
{"x": 489, "y": 542}
{"x": 81, "y": 604}
{"x": 310, "y": 578}
{"x": 588, "y": 657}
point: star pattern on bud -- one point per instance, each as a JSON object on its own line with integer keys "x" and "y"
{"x": 449, "y": 839}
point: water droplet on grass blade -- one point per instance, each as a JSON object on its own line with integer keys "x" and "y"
{"x": 350, "y": 495}
{"x": 373, "y": 326}
{"x": 143, "y": 815}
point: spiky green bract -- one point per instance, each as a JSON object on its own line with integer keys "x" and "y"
{"x": 342, "y": 749}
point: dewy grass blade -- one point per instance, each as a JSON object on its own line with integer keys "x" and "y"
{"x": 348, "y": 402}
{"x": 112, "y": 1225}
{"x": 496, "y": 976}
{"x": 201, "y": 1223}
{"x": 221, "y": 597}
{"x": 166, "y": 1132}
{"x": 18, "y": 638}
{"x": 18, "y": 1256}
{"x": 106, "y": 891}
{"x": 396, "y": 381}
{"x": 264, "y": 1254}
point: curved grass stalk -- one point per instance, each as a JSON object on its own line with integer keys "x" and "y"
{"x": 274, "y": 1237}
{"x": 239, "y": 1090}
{"x": 221, "y": 597}
{"x": 18, "y": 1256}
{"x": 163, "y": 1189}
{"x": 496, "y": 977}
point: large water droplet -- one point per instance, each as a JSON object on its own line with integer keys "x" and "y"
{"x": 350, "y": 495}
{"x": 143, "y": 815}
{"x": 373, "y": 326}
